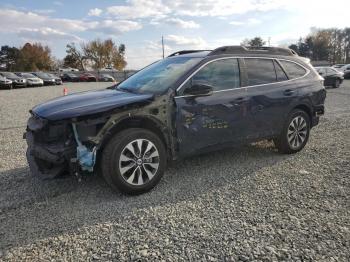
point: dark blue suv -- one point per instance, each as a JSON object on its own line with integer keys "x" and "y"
{"x": 189, "y": 103}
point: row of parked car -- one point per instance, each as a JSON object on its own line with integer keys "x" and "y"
{"x": 14, "y": 80}
{"x": 86, "y": 77}
{"x": 334, "y": 75}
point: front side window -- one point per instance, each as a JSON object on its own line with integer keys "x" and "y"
{"x": 293, "y": 70}
{"x": 260, "y": 71}
{"x": 158, "y": 77}
{"x": 221, "y": 74}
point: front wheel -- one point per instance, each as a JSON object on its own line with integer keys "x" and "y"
{"x": 134, "y": 161}
{"x": 295, "y": 133}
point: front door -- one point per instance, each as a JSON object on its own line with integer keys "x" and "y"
{"x": 215, "y": 119}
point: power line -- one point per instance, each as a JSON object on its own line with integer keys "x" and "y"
{"x": 163, "y": 46}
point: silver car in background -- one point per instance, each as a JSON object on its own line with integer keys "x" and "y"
{"x": 32, "y": 80}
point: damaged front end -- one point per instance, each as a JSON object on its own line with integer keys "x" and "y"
{"x": 58, "y": 147}
{"x": 67, "y": 134}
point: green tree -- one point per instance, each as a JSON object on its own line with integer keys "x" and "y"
{"x": 9, "y": 57}
{"x": 34, "y": 57}
{"x": 105, "y": 53}
{"x": 254, "y": 42}
{"x": 74, "y": 58}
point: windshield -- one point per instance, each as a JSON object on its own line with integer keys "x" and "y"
{"x": 9, "y": 74}
{"x": 159, "y": 76}
{"x": 42, "y": 75}
{"x": 27, "y": 75}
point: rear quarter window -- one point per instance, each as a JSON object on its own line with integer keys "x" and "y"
{"x": 292, "y": 69}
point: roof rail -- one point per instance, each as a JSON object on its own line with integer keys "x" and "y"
{"x": 183, "y": 52}
{"x": 253, "y": 50}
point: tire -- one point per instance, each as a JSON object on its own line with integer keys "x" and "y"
{"x": 336, "y": 83}
{"x": 290, "y": 143}
{"x": 125, "y": 169}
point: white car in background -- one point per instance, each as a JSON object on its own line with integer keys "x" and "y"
{"x": 109, "y": 68}
{"x": 338, "y": 66}
{"x": 68, "y": 69}
{"x": 32, "y": 80}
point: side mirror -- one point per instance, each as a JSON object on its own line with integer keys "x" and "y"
{"x": 199, "y": 89}
{"x": 320, "y": 73}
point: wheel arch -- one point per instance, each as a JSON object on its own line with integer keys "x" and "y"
{"x": 148, "y": 123}
{"x": 306, "y": 108}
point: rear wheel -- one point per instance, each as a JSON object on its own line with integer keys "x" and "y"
{"x": 134, "y": 161}
{"x": 336, "y": 83}
{"x": 295, "y": 133}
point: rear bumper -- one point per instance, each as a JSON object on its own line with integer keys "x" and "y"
{"x": 318, "y": 111}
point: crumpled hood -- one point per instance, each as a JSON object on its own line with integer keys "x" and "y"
{"x": 87, "y": 103}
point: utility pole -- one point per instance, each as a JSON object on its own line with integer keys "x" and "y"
{"x": 163, "y": 46}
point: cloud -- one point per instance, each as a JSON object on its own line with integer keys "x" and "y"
{"x": 12, "y": 20}
{"x": 181, "y": 23}
{"x": 180, "y": 40}
{"x": 45, "y": 34}
{"x": 44, "y": 11}
{"x": 139, "y": 9}
{"x": 196, "y": 8}
{"x": 24, "y": 23}
{"x": 222, "y": 7}
{"x": 116, "y": 26}
{"x": 236, "y": 23}
{"x": 95, "y": 12}
{"x": 59, "y": 3}
{"x": 248, "y": 22}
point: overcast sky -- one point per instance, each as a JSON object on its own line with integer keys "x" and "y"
{"x": 185, "y": 24}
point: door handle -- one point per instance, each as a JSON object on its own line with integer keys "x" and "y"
{"x": 288, "y": 92}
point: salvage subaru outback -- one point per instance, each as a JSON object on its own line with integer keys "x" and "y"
{"x": 193, "y": 101}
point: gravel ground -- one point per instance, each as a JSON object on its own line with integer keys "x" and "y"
{"x": 238, "y": 204}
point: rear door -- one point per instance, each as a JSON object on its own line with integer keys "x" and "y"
{"x": 270, "y": 95}
{"x": 205, "y": 121}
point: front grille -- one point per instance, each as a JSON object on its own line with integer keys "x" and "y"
{"x": 46, "y": 132}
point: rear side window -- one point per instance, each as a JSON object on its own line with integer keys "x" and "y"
{"x": 260, "y": 71}
{"x": 293, "y": 70}
{"x": 280, "y": 74}
{"x": 221, "y": 74}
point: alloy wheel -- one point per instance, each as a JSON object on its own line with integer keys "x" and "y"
{"x": 297, "y": 132}
{"x": 139, "y": 162}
